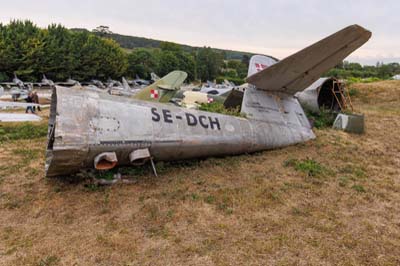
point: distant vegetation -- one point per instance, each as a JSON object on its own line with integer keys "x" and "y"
{"x": 133, "y": 42}
{"x": 57, "y": 52}
{"x": 355, "y": 72}
{"x": 60, "y": 53}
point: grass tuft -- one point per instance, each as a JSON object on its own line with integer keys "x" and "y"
{"x": 321, "y": 120}
{"x": 22, "y": 131}
{"x": 308, "y": 166}
{"x": 49, "y": 261}
{"x": 359, "y": 188}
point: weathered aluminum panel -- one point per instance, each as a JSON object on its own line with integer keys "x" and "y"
{"x": 259, "y": 62}
{"x": 350, "y": 123}
{"x": 87, "y": 123}
{"x": 308, "y": 98}
{"x": 9, "y": 117}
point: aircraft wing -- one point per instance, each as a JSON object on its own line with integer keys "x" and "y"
{"x": 65, "y": 83}
{"x": 16, "y": 104}
{"x": 10, "y": 117}
{"x": 8, "y": 84}
{"x": 165, "y": 87}
{"x": 300, "y": 70}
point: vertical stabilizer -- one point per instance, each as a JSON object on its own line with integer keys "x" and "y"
{"x": 271, "y": 90}
{"x": 163, "y": 89}
{"x": 259, "y": 62}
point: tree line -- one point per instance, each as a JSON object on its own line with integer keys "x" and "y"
{"x": 29, "y": 52}
{"x": 347, "y": 70}
{"x": 60, "y": 53}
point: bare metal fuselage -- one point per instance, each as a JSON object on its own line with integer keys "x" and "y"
{"x": 89, "y": 129}
{"x": 84, "y": 124}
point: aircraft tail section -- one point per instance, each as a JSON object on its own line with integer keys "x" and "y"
{"x": 269, "y": 96}
{"x": 125, "y": 84}
{"x": 163, "y": 89}
{"x": 260, "y": 62}
{"x": 300, "y": 70}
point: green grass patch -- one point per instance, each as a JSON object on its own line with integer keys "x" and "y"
{"x": 351, "y": 80}
{"x": 49, "y": 261}
{"x": 308, "y": 166}
{"x": 353, "y": 92}
{"x": 106, "y": 175}
{"x": 321, "y": 120}
{"x": 216, "y": 107}
{"x": 22, "y": 131}
{"x": 343, "y": 181}
{"x": 359, "y": 188}
{"x": 28, "y": 155}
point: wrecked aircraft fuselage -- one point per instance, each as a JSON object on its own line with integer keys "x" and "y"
{"x": 109, "y": 130}
{"x": 88, "y": 129}
{"x": 325, "y": 93}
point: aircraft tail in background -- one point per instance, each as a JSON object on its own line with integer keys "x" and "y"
{"x": 163, "y": 89}
{"x": 260, "y": 62}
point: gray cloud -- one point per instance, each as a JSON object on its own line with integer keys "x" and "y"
{"x": 278, "y": 28}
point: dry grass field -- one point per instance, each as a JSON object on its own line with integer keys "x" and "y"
{"x": 331, "y": 201}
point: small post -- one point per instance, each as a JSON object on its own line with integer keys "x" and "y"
{"x": 153, "y": 166}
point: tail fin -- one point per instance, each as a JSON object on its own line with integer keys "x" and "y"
{"x": 260, "y": 62}
{"x": 163, "y": 89}
{"x": 125, "y": 85}
{"x": 154, "y": 76}
{"x": 300, "y": 70}
{"x": 270, "y": 95}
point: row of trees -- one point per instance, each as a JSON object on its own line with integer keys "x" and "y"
{"x": 58, "y": 52}
{"x": 29, "y": 52}
{"x": 346, "y": 70}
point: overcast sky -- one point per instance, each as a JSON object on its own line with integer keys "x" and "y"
{"x": 278, "y": 28}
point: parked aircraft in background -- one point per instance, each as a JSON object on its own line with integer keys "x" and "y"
{"x": 141, "y": 82}
{"x": 120, "y": 88}
{"x": 154, "y": 77}
{"x": 17, "y": 89}
{"x": 163, "y": 89}
{"x": 45, "y": 82}
{"x": 16, "y": 82}
{"x": 68, "y": 83}
{"x": 94, "y": 82}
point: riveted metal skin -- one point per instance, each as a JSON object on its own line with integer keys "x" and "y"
{"x": 84, "y": 124}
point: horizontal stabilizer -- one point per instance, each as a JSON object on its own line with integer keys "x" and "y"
{"x": 165, "y": 87}
{"x": 300, "y": 70}
{"x": 10, "y": 117}
{"x": 16, "y": 104}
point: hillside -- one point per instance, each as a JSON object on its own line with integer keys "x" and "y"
{"x": 331, "y": 201}
{"x": 132, "y": 42}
